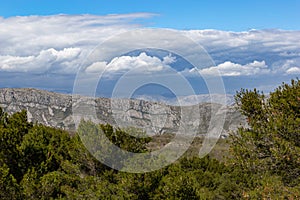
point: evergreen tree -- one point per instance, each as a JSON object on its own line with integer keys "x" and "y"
{"x": 270, "y": 146}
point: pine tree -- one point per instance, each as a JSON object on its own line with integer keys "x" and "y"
{"x": 271, "y": 143}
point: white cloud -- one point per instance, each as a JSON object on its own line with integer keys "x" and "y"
{"x": 169, "y": 59}
{"x": 284, "y": 66}
{"x": 215, "y": 38}
{"x": 46, "y": 60}
{"x": 30, "y": 43}
{"x": 58, "y": 44}
{"x": 96, "y": 67}
{"x": 233, "y": 69}
{"x": 139, "y": 64}
{"x": 275, "y": 47}
{"x": 270, "y": 40}
{"x": 293, "y": 70}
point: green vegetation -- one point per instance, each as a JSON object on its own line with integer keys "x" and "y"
{"x": 39, "y": 162}
{"x": 270, "y": 148}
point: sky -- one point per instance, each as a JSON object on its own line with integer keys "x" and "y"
{"x": 251, "y": 43}
{"x": 232, "y": 15}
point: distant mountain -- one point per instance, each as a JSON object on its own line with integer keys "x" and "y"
{"x": 191, "y": 100}
{"x": 56, "y": 110}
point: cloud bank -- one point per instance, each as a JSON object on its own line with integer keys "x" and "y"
{"x": 58, "y": 44}
{"x": 279, "y": 50}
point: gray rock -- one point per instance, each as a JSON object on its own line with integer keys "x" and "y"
{"x": 56, "y": 110}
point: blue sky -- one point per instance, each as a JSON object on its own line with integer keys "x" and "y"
{"x": 232, "y": 15}
{"x": 252, "y": 43}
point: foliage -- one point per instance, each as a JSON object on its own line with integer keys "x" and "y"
{"x": 53, "y": 165}
{"x": 39, "y": 162}
{"x": 270, "y": 146}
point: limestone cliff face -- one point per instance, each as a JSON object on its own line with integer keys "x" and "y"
{"x": 53, "y": 109}
{"x": 48, "y": 108}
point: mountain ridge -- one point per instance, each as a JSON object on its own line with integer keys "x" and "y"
{"x": 56, "y": 110}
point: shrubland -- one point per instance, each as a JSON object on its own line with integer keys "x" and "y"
{"x": 262, "y": 160}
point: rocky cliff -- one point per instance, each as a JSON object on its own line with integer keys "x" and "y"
{"x": 56, "y": 110}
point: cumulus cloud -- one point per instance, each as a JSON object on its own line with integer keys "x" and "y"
{"x": 37, "y": 43}
{"x": 58, "y": 44}
{"x": 142, "y": 63}
{"x": 229, "y": 68}
{"x": 46, "y": 60}
{"x": 283, "y": 66}
{"x": 293, "y": 70}
{"x": 96, "y": 67}
{"x": 272, "y": 46}
{"x": 233, "y": 69}
{"x": 169, "y": 59}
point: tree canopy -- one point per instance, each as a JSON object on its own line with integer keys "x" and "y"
{"x": 270, "y": 146}
{"x": 40, "y": 162}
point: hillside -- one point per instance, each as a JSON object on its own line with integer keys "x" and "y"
{"x": 40, "y": 162}
{"x": 55, "y": 110}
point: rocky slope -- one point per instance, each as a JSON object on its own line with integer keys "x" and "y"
{"x": 56, "y": 110}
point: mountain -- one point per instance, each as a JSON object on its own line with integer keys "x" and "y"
{"x": 191, "y": 99}
{"x": 61, "y": 111}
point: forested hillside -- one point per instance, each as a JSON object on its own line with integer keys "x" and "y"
{"x": 40, "y": 162}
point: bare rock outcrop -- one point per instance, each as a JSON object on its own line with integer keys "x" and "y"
{"x": 56, "y": 110}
